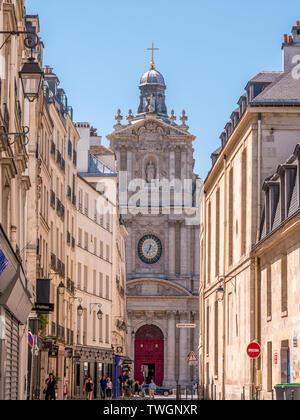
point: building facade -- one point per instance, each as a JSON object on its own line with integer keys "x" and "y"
{"x": 162, "y": 249}
{"x": 16, "y": 288}
{"x": 277, "y": 260}
{"x": 101, "y": 289}
{"x": 260, "y": 134}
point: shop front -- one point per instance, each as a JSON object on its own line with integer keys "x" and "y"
{"x": 94, "y": 363}
{"x": 16, "y": 302}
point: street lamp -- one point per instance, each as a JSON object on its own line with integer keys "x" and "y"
{"x": 31, "y": 77}
{"x": 61, "y": 289}
{"x": 100, "y": 315}
{"x": 80, "y": 311}
{"x": 220, "y": 294}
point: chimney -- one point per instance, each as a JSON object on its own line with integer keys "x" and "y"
{"x": 291, "y": 48}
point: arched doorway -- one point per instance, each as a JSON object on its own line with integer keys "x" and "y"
{"x": 149, "y": 355}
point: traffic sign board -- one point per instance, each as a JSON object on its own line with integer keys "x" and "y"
{"x": 192, "y": 358}
{"x": 186, "y": 325}
{"x": 30, "y": 339}
{"x": 254, "y": 350}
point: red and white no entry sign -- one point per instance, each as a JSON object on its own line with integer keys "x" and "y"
{"x": 254, "y": 351}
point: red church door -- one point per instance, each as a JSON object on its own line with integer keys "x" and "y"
{"x": 149, "y": 355}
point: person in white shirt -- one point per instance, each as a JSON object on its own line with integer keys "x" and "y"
{"x": 152, "y": 389}
{"x": 109, "y": 386}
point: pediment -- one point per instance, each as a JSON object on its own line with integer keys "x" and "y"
{"x": 149, "y": 125}
{"x": 155, "y": 288}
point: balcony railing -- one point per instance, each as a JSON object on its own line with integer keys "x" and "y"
{"x": 70, "y": 149}
{"x": 53, "y": 148}
{"x": 58, "y": 158}
{"x": 6, "y": 117}
{"x": 52, "y": 199}
{"x": 53, "y": 262}
{"x": 75, "y": 158}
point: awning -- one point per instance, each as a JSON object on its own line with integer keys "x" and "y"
{"x": 16, "y": 292}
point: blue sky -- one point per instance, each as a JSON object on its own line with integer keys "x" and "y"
{"x": 208, "y": 52}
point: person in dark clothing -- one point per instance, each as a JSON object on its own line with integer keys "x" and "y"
{"x": 103, "y": 384}
{"x": 50, "y": 388}
{"x": 136, "y": 389}
{"x": 89, "y": 387}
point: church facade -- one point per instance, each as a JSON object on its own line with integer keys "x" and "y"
{"x": 158, "y": 199}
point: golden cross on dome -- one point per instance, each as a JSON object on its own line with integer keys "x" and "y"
{"x": 152, "y": 67}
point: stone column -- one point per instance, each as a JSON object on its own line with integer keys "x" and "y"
{"x": 183, "y": 250}
{"x": 170, "y": 357}
{"x": 129, "y": 165}
{"x": 172, "y": 165}
{"x": 172, "y": 248}
{"x": 197, "y": 251}
{"x": 184, "y": 350}
{"x": 183, "y": 165}
{"x": 131, "y": 337}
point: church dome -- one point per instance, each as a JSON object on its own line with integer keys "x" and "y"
{"x": 152, "y": 77}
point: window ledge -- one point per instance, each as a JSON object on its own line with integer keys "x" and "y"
{"x": 269, "y": 318}
{"x": 284, "y": 314}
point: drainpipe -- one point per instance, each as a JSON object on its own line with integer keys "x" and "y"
{"x": 224, "y": 281}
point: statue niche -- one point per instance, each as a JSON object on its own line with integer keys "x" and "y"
{"x": 150, "y": 172}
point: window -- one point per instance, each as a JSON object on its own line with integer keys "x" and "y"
{"x": 95, "y": 282}
{"x": 101, "y": 330}
{"x": 269, "y": 292}
{"x": 79, "y": 277}
{"x": 94, "y": 325}
{"x": 86, "y": 241}
{"x": 216, "y": 338}
{"x": 101, "y": 285}
{"x": 107, "y": 253}
{"x": 107, "y": 329}
{"x": 85, "y": 278}
{"x": 107, "y": 287}
{"x": 207, "y": 331}
{"x": 80, "y": 237}
{"x": 101, "y": 249}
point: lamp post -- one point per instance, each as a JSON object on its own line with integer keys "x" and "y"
{"x": 31, "y": 77}
{"x": 31, "y": 74}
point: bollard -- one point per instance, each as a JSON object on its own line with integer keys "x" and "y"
{"x": 272, "y": 394}
{"x": 178, "y": 393}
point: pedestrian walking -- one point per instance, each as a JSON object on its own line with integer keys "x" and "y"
{"x": 143, "y": 389}
{"x": 152, "y": 389}
{"x": 50, "y": 388}
{"x": 89, "y": 387}
{"x": 103, "y": 385}
{"x": 136, "y": 389}
{"x": 130, "y": 387}
{"x": 109, "y": 387}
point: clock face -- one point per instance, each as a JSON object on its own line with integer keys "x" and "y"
{"x": 150, "y": 249}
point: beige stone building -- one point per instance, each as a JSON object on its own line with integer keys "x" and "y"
{"x": 162, "y": 249}
{"x": 101, "y": 288}
{"x": 16, "y": 113}
{"x": 277, "y": 256}
{"x": 260, "y": 134}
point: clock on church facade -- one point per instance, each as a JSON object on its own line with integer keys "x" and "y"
{"x": 150, "y": 249}
{"x": 162, "y": 248}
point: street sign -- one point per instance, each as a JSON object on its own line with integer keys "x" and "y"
{"x": 193, "y": 359}
{"x": 254, "y": 351}
{"x": 30, "y": 339}
{"x": 186, "y": 325}
{"x": 44, "y": 308}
